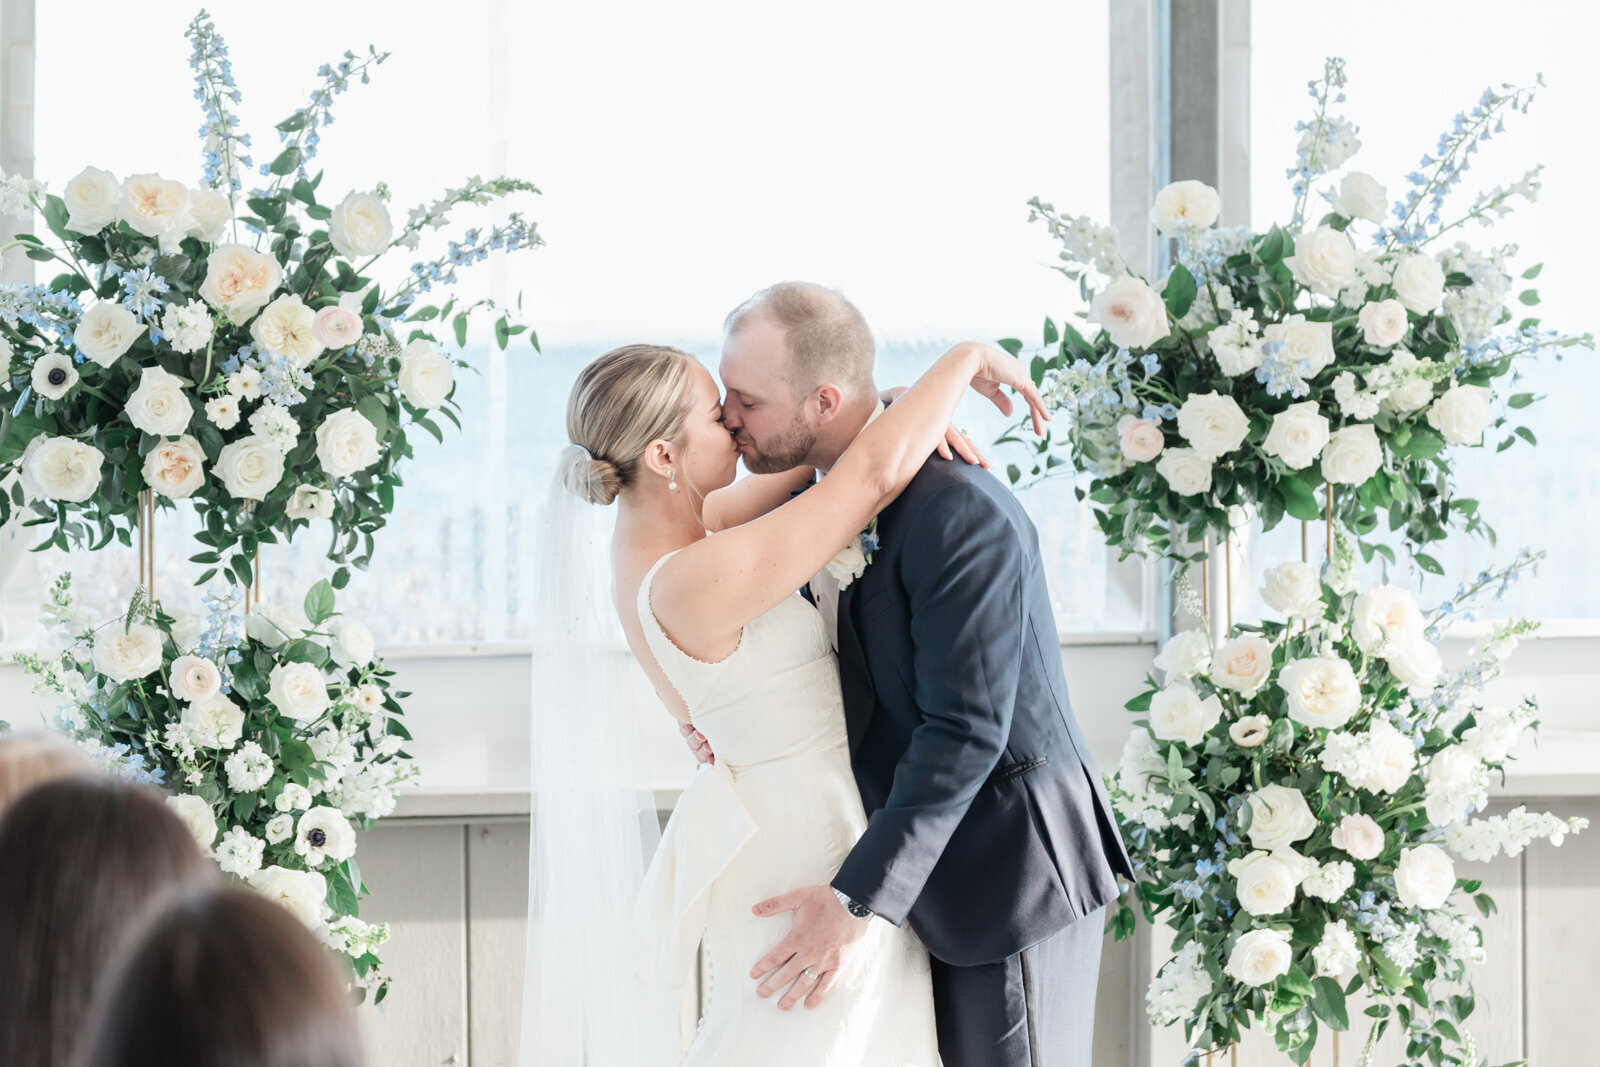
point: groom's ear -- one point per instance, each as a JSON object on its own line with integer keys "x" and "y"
{"x": 827, "y": 402}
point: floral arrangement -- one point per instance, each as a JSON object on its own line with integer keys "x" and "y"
{"x": 1296, "y": 802}
{"x": 277, "y": 734}
{"x": 228, "y": 348}
{"x": 1266, "y": 366}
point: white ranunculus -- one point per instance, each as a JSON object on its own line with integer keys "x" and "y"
{"x": 53, "y": 375}
{"x": 1462, "y": 414}
{"x": 1419, "y": 283}
{"x": 1186, "y": 204}
{"x": 1131, "y": 312}
{"x": 1185, "y": 470}
{"x": 1391, "y": 758}
{"x": 336, "y": 327}
{"x": 1265, "y": 883}
{"x": 123, "y": 654}
{"x": 209, "y": 214}
{"x": 304, "y": 893}
{"x": 197, "y": 816}
{"x": 1260, "y": 957}
{"x": 1361, "y": 197}
{"x": 1185, "y": 654}
{"x": 848, "y": 564}
{"x": 1242, "y": 664}
{"x": 1409, "y": 395}
{"x": 1323, "y": 691}
{"x": 153, "y": 206}
{"x": 1298, "y": 435}
{"x": 1383, "y": 323}
{"x": 1213, "y": 424}
{"x": 353, "y": 645}
{"x": 59, "y": 468}
{"x": 1352, "y": 455}
{"x": 1141, "y": 440}
{"x": 217, "y": 722}
{"x": 297, "y": 690}
{"x": 159, "y": 406}
{"x": 279, "y": 828}
{"x": 1425, "y": 877}
{"x": 106, "y": 331}
{"x": 250, "y": 468}
{"x": 1294, "y": 589}
{"x": 284, "y": 328}
{"x": 1416, "y": 663}
{"x": 91, "y": 200}
{"x": 426, "y": 377}
{"x": 1360, "y": 836}
{"x": 1386, "y": 613}
{"x": 1250, "y": 731}
{"x": 324, "y": 834}
{"x": 1178, "y": 714}
{"x": 310, "y": 502}
{"x": 346, "y": 443}
{"x": 1279, "y": 816}
{"x": 194, "y": 678}
{"x": 240, "y": 280}
{"x": 293, "y": 797}
{"x": 1324, "y": 261}
{"x": 275, "y": 626}
{"x": 1305, "y": 341}
{"x": 175, "y": 469}
{"x": 186, "y": 629}
{"x": 360, "y": 226}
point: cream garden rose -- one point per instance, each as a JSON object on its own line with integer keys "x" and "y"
{"x": 1425, "y": 877}
{"x": 297, "y": 690}
{"x": 240, "y": 280}
{"x": 1419, "y": 283}
{"x": 194, "y": 678}
{"x": 1177, "y": 713}
{"x": 1298, "y": 435}
{"x": 1324, "y": 261}
{"x": 123, "y": 653}
{"x": 1242, "y": 664}
{"x": 360, "y": 226}
{"x": 250, "y": 467}
{"x": 1359, "y": 836}
{"x": 1186, "y": 204}
{"x": 1265, "y": 882}
{"x": 346, "y": 443}
{"x": 159, "y": 406}
{"x": 1385, "y": 614}
{"x": 1140, "y": 439}
{"x": 175, "y": 469}
{"x": 1213, "y": 424}
{"x": 284, "y": 328}
{"x": 1185, "y": 470}
{"x": 303, "y": 893}
{"x": 1293, "y": 589}
{"x": 91, "y": 200}
{"x": 154, "y": 206}
{"x": 1352, "y": 455}
{"x": 1279, "y": 816}
{"x": 197, "y": 817}
{"x": 1360, "y": 196}
{"x": 1462, "y": 414}
{"x": 426, "y": 377}
{"x": 209, "y": 214}
{"x": 1383, "y": 323}
{"x": 60, "y": 468}
{"x": 216, "y": 721}
{"x": 1416, "y": 663}
{"x": 1131, "y": 312}
{"x": 1322, "y": 691}
{"x": 106, "y": 331}
{"x": 1260, "y": 957}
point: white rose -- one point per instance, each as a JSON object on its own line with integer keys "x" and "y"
{"x": 106, "y": 331}
{"x": 175, "y": 469}
{"x": 59, "y": 468}
{"x": 346, "y": 443}
{"x": 324, "y": 834}
{"x": 223, "y": 412}
{"x": 1185, "y": 470}
{"x": 1298, "y": 435}
{"x": 336, "y": 327}
{"x": 1178, "y": 714}
{"x": 1250, "y": 731}
{"x": 1461, "y": 414}
{"x": 284, "y": 328}
{"x": 209, "y": 214}
{"x": 1293, "y": 589}
{"x": 91, "y": 200}
{"x": 125, "y": 654}
{"x": 1131, "y": 312}
{"x": 426, "y": 377}
{"x": 1140, "y": 439}
{"x": 360, "y": 226}
{"x": 53, "y": 375}
{"x": 194, "y": 678}
{"x": 1425, "y": 877}
{"x": 250, "y": 468}
{"x": 1213, "y": 424}
{"x": 353, "y": 645}
{"x": 153, "y": 206}
{"x": 217, "y": 721}
{"x": 159, "y": 406}
{"x": 240, "y": 280}
{"x": 197, "y": 817}
{"x": 1360, "y": 836}
{"x": 1185, "y": 654}
{"x": 1416, "y": 663}
{"x": 1279, "y": 816}
{"x": 297, "y": 690}
{"x": 279, "y": 828}
{"x": 304, "y": 893}
{"x": 1185, "y": 204}
{"x": 1361, "y": 197}
{"x": 1322, "y": 691}
{"x": 1260, "y": 957}
{"x": 1352, "y": 455}
{"x": 1419, "y": 283}
{"x": 1304, "y": 341}
{"x": 185, "y": 629}
{"x": 1242, "y": 664}
{"x": 1409, "y": 395}
{"x": 1324, "y": 261}
{"x": 310, "y": 502}
{"x": 1383, "y": 324}
{"x": 1265, "y": 884}
{"x": 276, "y": 626}
{"x": 1391, "y": 759}
{"x": 1386, "y": 613}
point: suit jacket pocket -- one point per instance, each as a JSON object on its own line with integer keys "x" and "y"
{"x": 1015, "y": 770}
{"x": 875, "y": 605}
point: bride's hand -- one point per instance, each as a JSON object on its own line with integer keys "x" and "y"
{"x": 956, "y": 442}
{"x": 997, "y": 370}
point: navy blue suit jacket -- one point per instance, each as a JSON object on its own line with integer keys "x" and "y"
{"x": 989, "y": 827}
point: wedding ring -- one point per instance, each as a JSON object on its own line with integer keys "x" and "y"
{"x": 809, "y": 973}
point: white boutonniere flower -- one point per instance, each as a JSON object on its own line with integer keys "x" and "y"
{"x": 851, "y": 562}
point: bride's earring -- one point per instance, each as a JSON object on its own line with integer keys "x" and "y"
{"x": 672, "y": 480}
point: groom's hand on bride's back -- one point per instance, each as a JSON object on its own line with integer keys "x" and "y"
{"x": 817, "y": 950}
{"x": 697, "y": 743}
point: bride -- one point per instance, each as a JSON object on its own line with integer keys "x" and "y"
{"x": 734, "y": 651}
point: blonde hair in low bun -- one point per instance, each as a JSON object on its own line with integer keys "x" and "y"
{"x": 620, "y": 403}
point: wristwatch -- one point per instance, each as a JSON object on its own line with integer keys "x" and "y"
{"x": 860, "y": 911}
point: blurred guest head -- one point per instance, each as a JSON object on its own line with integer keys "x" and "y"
{"x": 224, "y": 978}
{"x": 34, "y": 758}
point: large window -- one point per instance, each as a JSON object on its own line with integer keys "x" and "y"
{"x": 689, "y": 155}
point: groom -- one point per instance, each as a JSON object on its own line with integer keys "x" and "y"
{"x": 989, "y": 829}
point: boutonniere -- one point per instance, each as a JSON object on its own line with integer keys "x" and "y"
{"x": 851, "y": 562}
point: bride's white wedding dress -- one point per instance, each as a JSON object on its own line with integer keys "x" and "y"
{"x": 778, "y": 811}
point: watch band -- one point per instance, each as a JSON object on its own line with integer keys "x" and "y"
{"x": 860, "y": 911}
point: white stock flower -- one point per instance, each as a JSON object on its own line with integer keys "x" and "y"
{"x": 250, "y": 467}
{"x": 53, "y": 375}
{"x": 1265, "y": 882}
{"x": 1131, "y": 312}
{"x": 284, "y": 329}
{"x": 1425, "y": 877}
{"x": 223, "y": 411}
{"x": 391, "y": 744}
{"x": 1381, "y": 760}
{"x": 1337, "y": 954}
{"x": 1386, "y": 614}
{"x": 324, "y": 834}
{"x": 153, "y": 206}
{"x": 175, "y": 469}
{"x": 310, "y": 502}
{"x": 105, "y": 332}
{"x": 1298, "y": 435}
{"x": 239, "y": 852}
{"x": 275, "y": 626}
{"x": 336, "y": 327}
{"x": 1279, "y": 816}
{"x": 1260, "y": 957}
{"x": 248, "y": 769}
{"x": 188, "y": 327}
{"x": 353, "y": 645}
{"x": 1322, "y": 691}
{"x": 1329, "y": 881}
{"x": 1250, "y": 731}
{"x": 60, "y": 468}
{"x": 1186, "y": 204}
{"x": 1185, "y": 470}
{"x": 279, "y": 828}
{"x": 1178, "y": 714}
{"x": 194, "y": 678}
{"x": 1141, "y": 440}
{"x": 1185, "y": 654}
{"x": 123, "y": 654}
{"x": 1462, "y": 414}
{"x": 91, "y": 200}
{"x": 1213, "y": 424}
{"x": 1324, "y": 261}
{"x": 215, "y": 721}
{"x": 303, "y": 893}
{"x": 1352, "y": 455}
{"x": 1361, "y": 197}
{"x": 298, "y": 691}
{"x": 346, "y": 443}
{"x": 197, "y": 817}
{"x": 1242, "y": 664}
{"x": 426, "y": 377}
{"x": 272, "y": 423}
{"x": 360, "y": 226}
{"x": 1178, "y": 987}
{"x": 1383, "y": 324}
{"x": 1416, "y": 663}
{"x": 209, "y": 214}
{"x": 1419, "y": 283}
{"x": 240, "y": 280}
{"x": 1304, "y": 341}
{"x": 159, "y": 406}
{"x": 1293, "y": 589}
{"x": 1237, "y": 344}
{"x": 1359, "y": 836}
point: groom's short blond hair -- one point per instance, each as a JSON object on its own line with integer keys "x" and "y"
{"x": 827, "y": 338}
